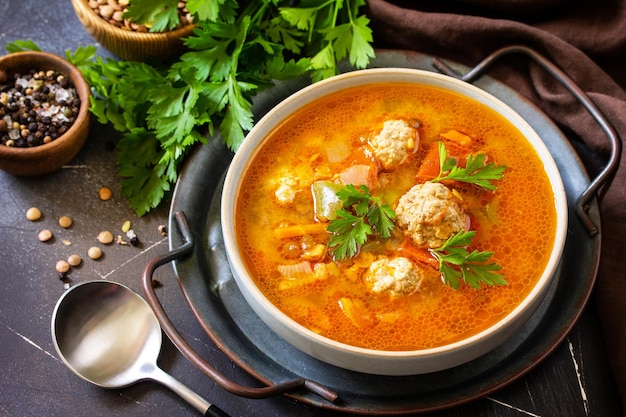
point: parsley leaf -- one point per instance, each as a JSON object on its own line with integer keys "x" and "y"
{"x": 333, "y": 30}
{"x": 213, "y": 10}
{"x": 456, "y": 264}
{"x": 349, "y": 233}
{"x": 475, "y": 171}
{"x": 353, "y": 39}
{"x": 160, "y": 15}
{"x": 21, "y": 46}
{"x": 362, "y": 216}
{"x": 82, "y": 56}
{"x": 301, "y": 18}
{"x": 237, "y": 49}
{"x": 144, "y": 179}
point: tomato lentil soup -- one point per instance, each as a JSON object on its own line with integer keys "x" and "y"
{"x": 284, "y": 243}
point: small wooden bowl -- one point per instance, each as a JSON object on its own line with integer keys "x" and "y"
{"x": 127, "y": 44}
{"x": 49, "y": 157}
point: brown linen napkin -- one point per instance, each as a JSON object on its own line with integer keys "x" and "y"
{"x": 589, "y": 44}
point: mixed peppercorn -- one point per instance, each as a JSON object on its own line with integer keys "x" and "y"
{"x": 36, "y": 108}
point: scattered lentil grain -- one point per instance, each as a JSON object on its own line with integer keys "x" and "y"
{"x": 65, "y": 222}
{"x": 162, "y": 229}
{"x": 105, "y": 193}
{"x": 33, "y": 214}
{"x": 44, "y": 235}
{"x": 74, "y": 259}
{"x": 126, "y": 226}
{"x": 62, "y": 267}
{"x": 94, "y": 252}
{"x": 105, "y": 237}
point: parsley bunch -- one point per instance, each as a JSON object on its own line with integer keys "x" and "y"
{"x": 474, "y": 172}
{"x": 237, "y": 49}
{"x": 362, "y": 215}
{"x": 456, "y": 263}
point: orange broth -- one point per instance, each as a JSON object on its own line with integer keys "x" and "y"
{"x": 517, "y": 222}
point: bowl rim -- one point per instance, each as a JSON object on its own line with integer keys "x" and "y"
{"x": 22, "y": 59}
{"x": 361, "y": 77}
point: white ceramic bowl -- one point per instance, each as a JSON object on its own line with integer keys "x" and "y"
{"x": 367, "y": 360}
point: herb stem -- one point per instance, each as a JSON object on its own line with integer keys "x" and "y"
{"x": 254, "y": 9}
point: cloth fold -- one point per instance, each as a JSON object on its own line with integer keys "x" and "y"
{"x": 589, "y": 45}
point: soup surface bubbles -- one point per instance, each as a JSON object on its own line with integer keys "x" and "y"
{"x": 287, "y": 199}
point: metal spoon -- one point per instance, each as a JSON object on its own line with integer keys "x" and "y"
{"x": 108, "y": 335}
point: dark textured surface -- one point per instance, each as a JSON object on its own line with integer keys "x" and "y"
{"x": 574, "y": 381}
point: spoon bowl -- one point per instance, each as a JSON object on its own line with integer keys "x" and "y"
{"x": 108, "y": 335}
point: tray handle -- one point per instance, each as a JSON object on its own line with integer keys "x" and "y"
{"x": 189, "y": 352}
{"x": 606, "y": 174}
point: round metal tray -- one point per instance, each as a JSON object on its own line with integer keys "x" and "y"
{"x": 212, "y": 293}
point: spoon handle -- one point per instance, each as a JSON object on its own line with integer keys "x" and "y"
{"x": 199, "y": 403}
{"x": 215, "y": 411}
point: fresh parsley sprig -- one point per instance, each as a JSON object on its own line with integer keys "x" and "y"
{"x": 456, "y": 263}
{"x": 237, "y": 49}
{"x": 362, "y": 215}
{"x": 474, "y": 172}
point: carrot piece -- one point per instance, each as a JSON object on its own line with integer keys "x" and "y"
{"x": 300, "y": 230}
{"x": 429, "y": 167}
{"x": 356, "y": 313}
{"x": 418, "y": 254}
{"x": 455, "y": 136}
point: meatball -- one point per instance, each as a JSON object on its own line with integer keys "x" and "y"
{"x": 287, "y": 188}
{"x": 396, "y": 277}
{"x": 430, "y": 214}
{"x": 393, "y": 144}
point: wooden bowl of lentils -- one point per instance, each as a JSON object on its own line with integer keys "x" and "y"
{"x": 44, "y": 112}
{"x": 104, "y": 21}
